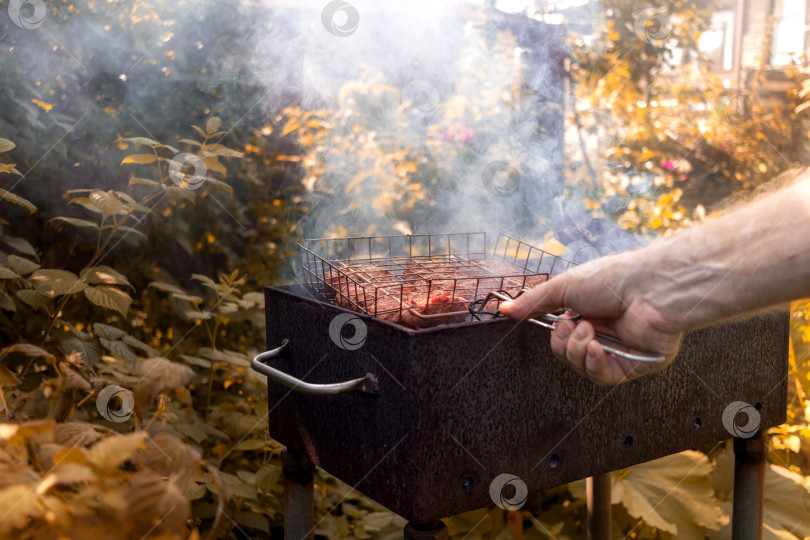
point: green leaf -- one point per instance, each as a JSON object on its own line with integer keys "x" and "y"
{"x": 199, "y": 130}
{"x": 21, "y": 266}
{"x": 89, "y": 350}
{"x": 57, "y": 282}
{"x": 16, "y": 199}
{"x": 104, "y": 275}
{"x": 6, "y": 145}
{"x": 33, "y": 298}
{"x": 76, "y": 222}
{"x": 110, "y": 298}
{"x": 140, "y": 159}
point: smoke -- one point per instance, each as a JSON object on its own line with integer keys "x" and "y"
{"x": 477, "y": 102}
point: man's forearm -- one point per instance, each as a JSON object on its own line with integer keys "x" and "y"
{"x": 753, "y": 258}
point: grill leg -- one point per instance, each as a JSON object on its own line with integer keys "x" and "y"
{"x": 749, "y": 487}
{"x": 299, "y": 497}
{"x": 435, "y": 530}
{"x": 598, "y": 495}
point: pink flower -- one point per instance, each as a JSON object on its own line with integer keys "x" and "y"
{"x": 668, "y": 165}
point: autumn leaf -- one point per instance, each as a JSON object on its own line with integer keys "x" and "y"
{"x": 673, "y": 494}
{"x": 104, "y": 275}
{"x": 57, "y": 282}
{"x": 140, "y": 159}
{"x": 6, "y": 145}
{"x": 109, "y": 297}
{"x": 16, "y": 199}
{"x": 164, "y": 375}
{"x": 213, "y": 124}
{"x": 27, "y": 349}
{"x": 110, "y": 453}
{"x": 22, "y": 266}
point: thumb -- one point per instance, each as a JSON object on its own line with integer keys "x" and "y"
{"x": 542, "y": 299}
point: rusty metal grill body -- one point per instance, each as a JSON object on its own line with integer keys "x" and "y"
{"x": 462, "y": 403}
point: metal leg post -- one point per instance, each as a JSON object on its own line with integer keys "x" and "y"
{"x": 598, "y": 493}
{"x": 299, "y": 497}
{"x": 435, "y": 530}
{"x": 749, "y": 487}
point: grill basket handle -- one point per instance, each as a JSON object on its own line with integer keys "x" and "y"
{"x": 367, "y": 384}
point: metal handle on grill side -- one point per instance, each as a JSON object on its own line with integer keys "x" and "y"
{"x": 547, "y": 321}
{"x": 367, "y": 384}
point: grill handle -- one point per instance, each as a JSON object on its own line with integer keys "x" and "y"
{"x": 367, "y": 384}
{"x": 547, "y": 321}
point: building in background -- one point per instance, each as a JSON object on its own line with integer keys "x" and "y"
{"x": 738, "y": 43}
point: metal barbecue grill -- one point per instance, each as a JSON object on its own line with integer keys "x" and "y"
{"x": 423, "y": 419}
{"x": 452, "y": 267}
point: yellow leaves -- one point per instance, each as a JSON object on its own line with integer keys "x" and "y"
{"x": 140, "y": 159}
{"x": 6, "y": 145}
{"x": 42, "y": 105}
{"x": 16, "y": 199}
{"x": 673, "y": 494}
{"x": 291, "y": 125}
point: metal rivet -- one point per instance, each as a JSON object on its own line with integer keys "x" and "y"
{"x": 698, "y": 424}
{"x": 554, "y": 461}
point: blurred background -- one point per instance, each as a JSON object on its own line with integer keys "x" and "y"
{"x": 160, "y": 160}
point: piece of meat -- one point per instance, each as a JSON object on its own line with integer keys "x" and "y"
{"x": 424, "y": 288}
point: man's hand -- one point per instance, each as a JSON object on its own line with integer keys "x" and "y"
{"x": 613, "y": 297}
